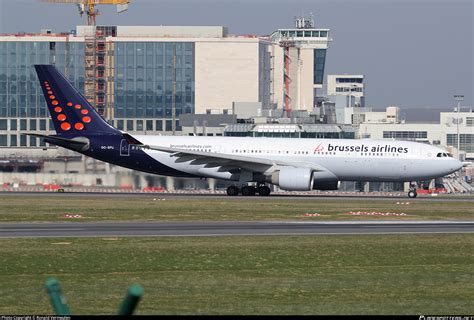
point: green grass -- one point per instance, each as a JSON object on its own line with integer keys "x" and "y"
{"x": 145, "y": 208}
{"x": 393, "y": 274}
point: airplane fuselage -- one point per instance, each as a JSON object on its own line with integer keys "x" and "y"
{"x": 349, "y": 160}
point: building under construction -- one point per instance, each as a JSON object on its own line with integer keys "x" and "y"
{"x": 141, "y": 78}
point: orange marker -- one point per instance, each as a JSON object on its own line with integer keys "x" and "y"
{"x": 65, "y": 126}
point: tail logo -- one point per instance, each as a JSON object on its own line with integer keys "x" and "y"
{"x": 66, "y": 126}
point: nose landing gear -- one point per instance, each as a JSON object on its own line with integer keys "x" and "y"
{"x": 412, "y": 194}
{"x": 412, "y": 191}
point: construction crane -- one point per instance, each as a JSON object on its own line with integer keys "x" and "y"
{"x": 88, "y": 7}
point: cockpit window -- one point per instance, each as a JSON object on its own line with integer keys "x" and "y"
{"x": 443, "y": 155}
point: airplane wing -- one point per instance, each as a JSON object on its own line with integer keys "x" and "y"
{"x": 229, "y": 162}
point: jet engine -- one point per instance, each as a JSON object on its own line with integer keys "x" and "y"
{"x": 325, "y": 180}
{"x": 293, "y": 179}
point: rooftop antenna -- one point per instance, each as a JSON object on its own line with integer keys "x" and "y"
{"x": 303, "y": 22}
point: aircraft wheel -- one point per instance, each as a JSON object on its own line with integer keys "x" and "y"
{"x": 412, "y": 194}
{"x": 263, "y": 191}
{"x": 232, "y": 191}
{"x": 248, "y": 191}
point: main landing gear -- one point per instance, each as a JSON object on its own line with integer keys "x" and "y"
{"x": 249, "y": 191}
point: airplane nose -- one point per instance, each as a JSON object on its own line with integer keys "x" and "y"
{"x": 457, "y": 165}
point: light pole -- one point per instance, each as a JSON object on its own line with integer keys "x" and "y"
{"x": 458, "y": 98}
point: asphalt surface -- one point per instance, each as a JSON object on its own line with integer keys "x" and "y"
{"x": 289, "y": 196}
{"x": 127, "y": 229}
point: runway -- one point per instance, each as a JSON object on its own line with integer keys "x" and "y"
{"x": 220, "y": 196}
{"x": 260, "y": 228}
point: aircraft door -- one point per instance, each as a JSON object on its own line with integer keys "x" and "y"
{"x": 124, "y": 148}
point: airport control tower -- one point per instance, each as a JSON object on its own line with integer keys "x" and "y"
{"x": 299, "y": 62}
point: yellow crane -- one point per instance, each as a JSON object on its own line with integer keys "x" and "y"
{"x": 88, "y": 7}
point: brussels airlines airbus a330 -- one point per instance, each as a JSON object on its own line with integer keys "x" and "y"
{"x": 292, "y": 164}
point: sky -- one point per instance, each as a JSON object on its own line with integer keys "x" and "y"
{"x": 414, "y": 53}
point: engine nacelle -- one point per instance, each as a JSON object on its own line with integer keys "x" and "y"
{"x": 324, "y": 180}
{"x": 293, "y": 179}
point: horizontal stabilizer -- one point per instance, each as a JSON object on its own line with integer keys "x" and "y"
{"x": 78, "y": 144}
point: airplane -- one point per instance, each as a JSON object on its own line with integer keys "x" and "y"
{"x": 250, "y": 163}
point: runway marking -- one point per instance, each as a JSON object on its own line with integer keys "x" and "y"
{"x": 40, "y": 229}
{"x": 113, "y": 230}
{"x": 246, "y": 234}
{"x": 401, "y": 222}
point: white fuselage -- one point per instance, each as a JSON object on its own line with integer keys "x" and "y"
{"x": 349, "y": 160}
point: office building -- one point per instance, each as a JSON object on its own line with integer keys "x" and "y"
{"x": 348, "y": 95}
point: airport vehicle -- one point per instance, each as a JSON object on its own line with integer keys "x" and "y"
{"x": 292, "y": 164}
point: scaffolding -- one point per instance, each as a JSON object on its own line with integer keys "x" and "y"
{"x": 90, "y": 66}
{"x": 100, "y": 78}
{"x": 95, "y": 57}
{"x": 286, "y": 75}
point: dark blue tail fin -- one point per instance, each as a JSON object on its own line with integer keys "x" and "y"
{"x": 72, "y": 115}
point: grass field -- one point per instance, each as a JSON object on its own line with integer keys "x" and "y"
{"x": 143, "y": 208}
{"x": 395, "y": 274}
{"x": 337, "y": 274}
